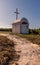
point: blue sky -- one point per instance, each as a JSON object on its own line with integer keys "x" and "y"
{"x": 27, "y": 8}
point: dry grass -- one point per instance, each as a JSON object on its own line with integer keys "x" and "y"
{"x": 7, "y": 51}
{"x": 31, "y": 37}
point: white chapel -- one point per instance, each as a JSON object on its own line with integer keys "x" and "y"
{"x": 20, "y": 25}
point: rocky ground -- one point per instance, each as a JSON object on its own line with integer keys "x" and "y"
{"x": 27, "y": 53}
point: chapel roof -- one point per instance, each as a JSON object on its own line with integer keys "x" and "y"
{"x": 16, "y": 21}
{"x": 19, "y": 20}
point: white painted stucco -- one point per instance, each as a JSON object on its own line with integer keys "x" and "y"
{"x": 16, "y": 28}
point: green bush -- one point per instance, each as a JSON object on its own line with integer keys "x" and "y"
{"x": 34, "y": 31}
{"x": 6, "y": 29}
{"x": 30, "y": 31}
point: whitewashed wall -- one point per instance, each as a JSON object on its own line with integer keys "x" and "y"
{"x": 16, "y": 28}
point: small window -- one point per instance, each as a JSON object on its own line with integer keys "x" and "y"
{"x": 24, "y": 23}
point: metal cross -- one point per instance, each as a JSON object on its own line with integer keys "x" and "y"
{"x": 16, "y": 13}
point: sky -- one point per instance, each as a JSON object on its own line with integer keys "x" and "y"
{"x": 27, "y": 8}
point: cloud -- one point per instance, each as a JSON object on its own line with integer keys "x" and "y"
{"x": 4, "y": 24}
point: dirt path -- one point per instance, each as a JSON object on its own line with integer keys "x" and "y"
{"x": 29, "y": 52}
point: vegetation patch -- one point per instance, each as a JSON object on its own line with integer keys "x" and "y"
{"x": 7, "y": 51}
{"x": 31, "y": 37}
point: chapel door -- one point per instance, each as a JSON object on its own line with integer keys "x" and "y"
{"x": 24, "y": 28}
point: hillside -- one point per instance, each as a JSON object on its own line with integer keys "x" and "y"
{"x": 15, "y": 50}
